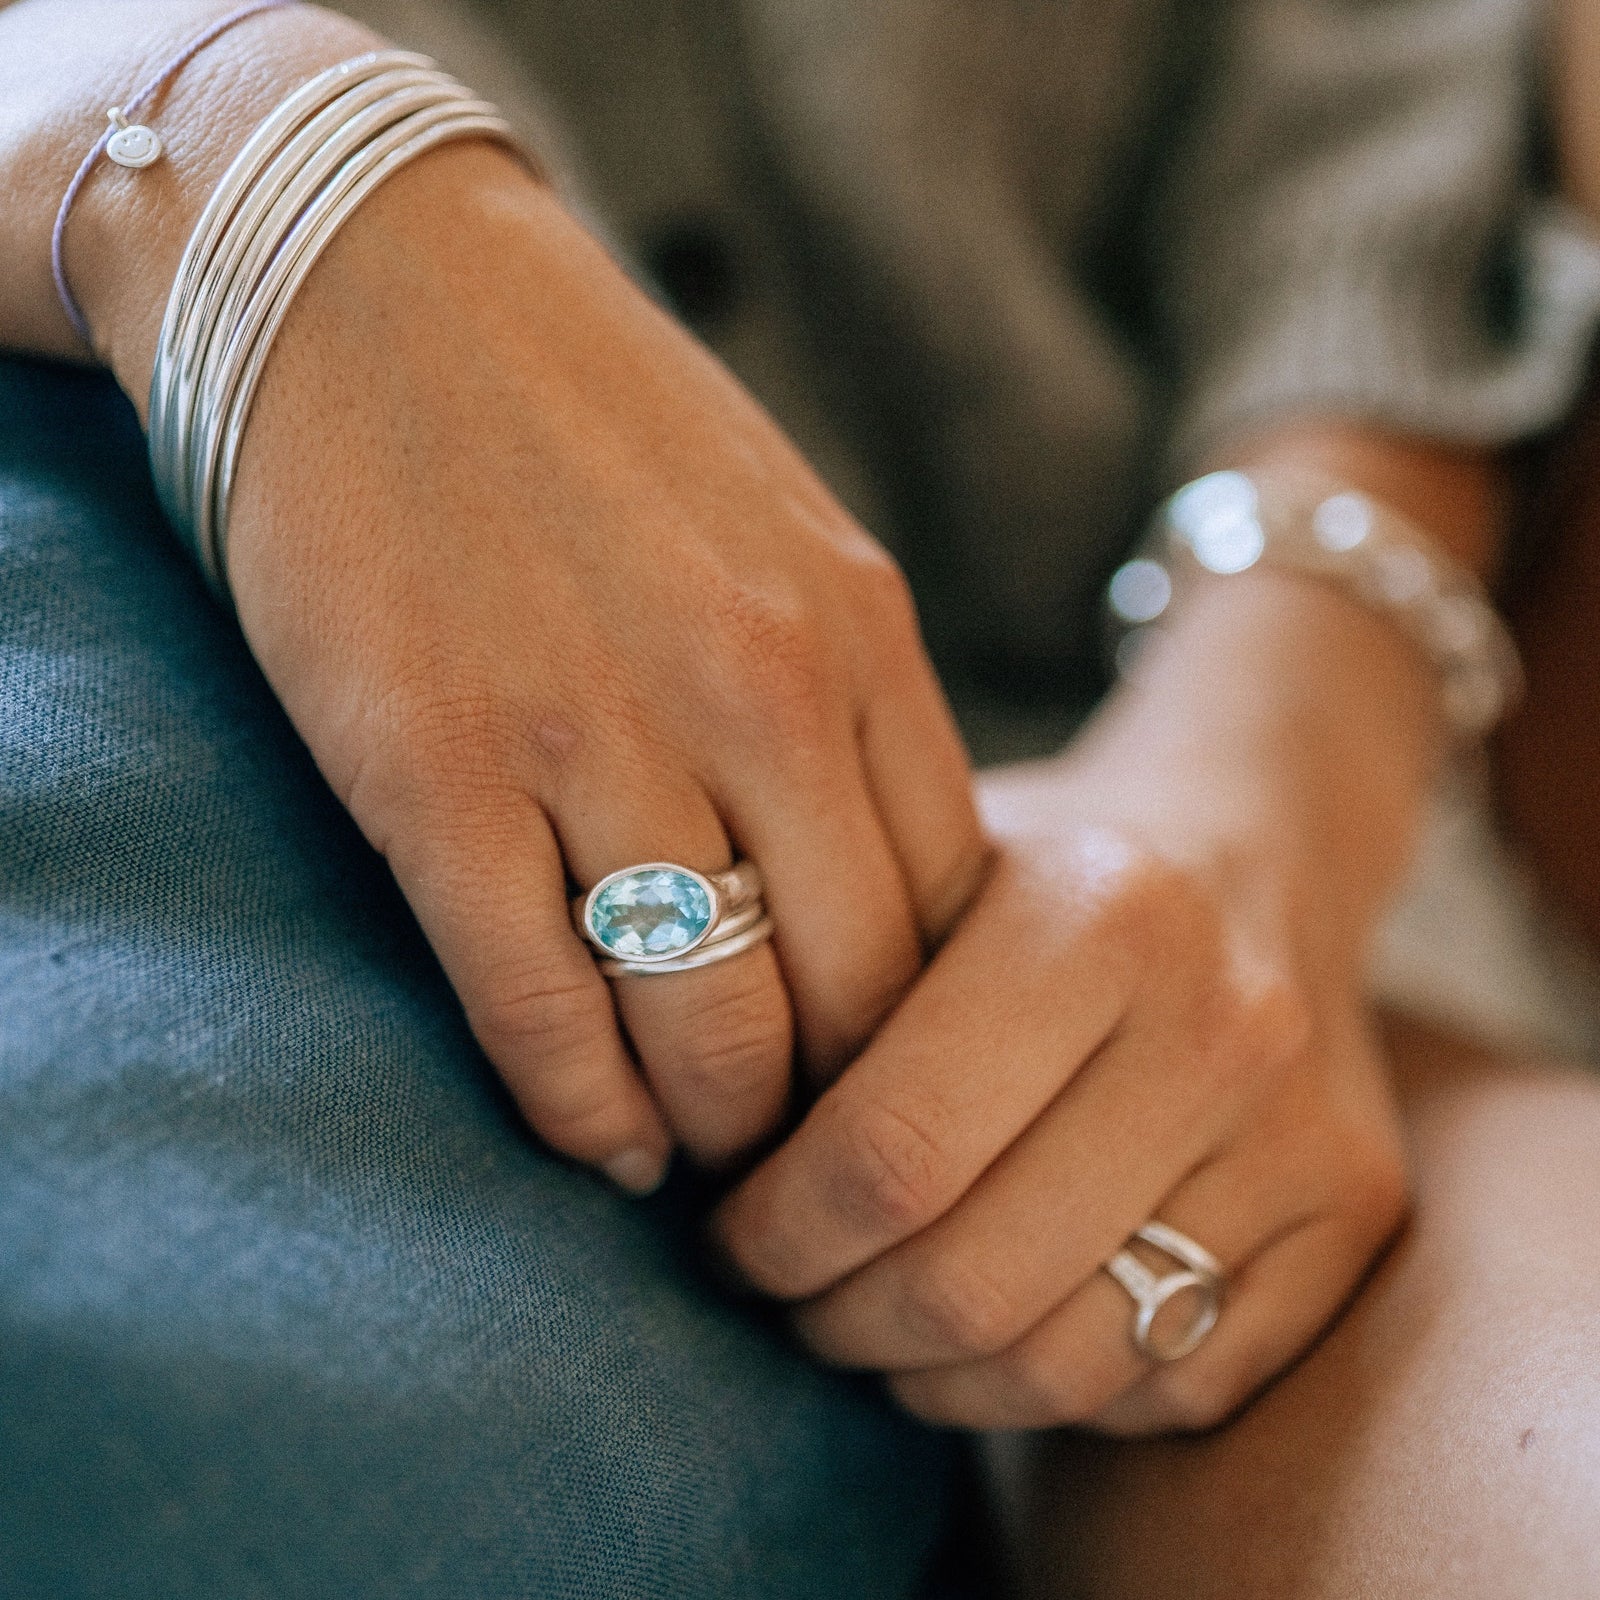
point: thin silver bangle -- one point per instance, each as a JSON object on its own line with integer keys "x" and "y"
{"x": 300, "y": 175}
{"x": 221, "y": 206}
{"x": 258, "y": 231}
{"x": 378, "y": 161}
{"x": 251, "y": 232}
{"x": 237, "y": 369}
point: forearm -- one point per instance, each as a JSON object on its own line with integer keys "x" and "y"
{"x": 62, "y": 62}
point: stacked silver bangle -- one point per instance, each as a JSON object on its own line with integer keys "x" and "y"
{"x": 300, "y": 175}
{"x": 1228, "y": 522}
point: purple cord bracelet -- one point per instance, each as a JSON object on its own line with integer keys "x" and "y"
{"x": 132, "y": 146}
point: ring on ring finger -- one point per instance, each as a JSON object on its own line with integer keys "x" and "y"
{"x": 660, "y": 918}
{"x": 1200, "y": 1274}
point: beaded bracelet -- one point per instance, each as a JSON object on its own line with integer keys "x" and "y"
{"x": 1229, "y": 523}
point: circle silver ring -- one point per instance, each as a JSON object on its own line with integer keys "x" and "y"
{"x": 1200, "y": 1274}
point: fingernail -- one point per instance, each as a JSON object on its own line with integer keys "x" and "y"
{"x": 637, "y": 1172}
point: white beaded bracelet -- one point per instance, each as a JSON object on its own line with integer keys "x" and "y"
{"x": 303, "y": 171}
{"x": 1228, "y": 523}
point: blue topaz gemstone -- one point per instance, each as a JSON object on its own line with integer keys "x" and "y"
{"x": 649, "y": 913}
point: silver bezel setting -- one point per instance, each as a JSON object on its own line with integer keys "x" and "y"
{"x": 586, "y": 917}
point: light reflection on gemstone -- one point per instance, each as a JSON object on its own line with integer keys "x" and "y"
{"x": 650, "y": 913}
{"x": 1216, "y": 515}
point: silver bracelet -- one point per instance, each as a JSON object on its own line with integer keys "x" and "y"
{"x": 1228, "y": 523}
{"x": 301, "y": 174}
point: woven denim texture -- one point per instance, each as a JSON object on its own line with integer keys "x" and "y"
{"x": 290, "y": 1302}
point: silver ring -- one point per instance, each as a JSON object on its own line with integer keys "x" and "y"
{"x": 1202, "y": 1275}
{"x": 710, "y": 952}
{"x": 660, "y": 917}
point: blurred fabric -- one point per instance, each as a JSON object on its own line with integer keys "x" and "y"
{"x": 1008, "y": 270}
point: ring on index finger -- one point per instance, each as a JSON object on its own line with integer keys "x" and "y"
{"x": 659, "y": 918}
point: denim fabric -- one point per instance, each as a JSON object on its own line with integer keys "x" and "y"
{"x": 290, "y": 1303}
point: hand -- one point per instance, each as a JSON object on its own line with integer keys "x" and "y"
{"x": 548, "y": 595}
{"x": 1148, "y": 1012}
{"x": 545, "y": 592}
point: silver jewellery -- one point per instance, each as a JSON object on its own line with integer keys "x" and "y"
{"x": 1200, "y": 1275}
{"x": 1228, "y": 522}
{"x": 131, "y": 144}
{"x": 659, "y": 918}
{"x": 301, "y": 174}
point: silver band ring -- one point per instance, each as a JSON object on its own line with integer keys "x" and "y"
{"x": 660, "y": 917}
{"x": 1201, "y": 1275}
{"x": 757, "y": 932}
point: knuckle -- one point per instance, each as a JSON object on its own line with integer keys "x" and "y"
{"x": 1141, "y": 903}
{"x": 772, "y": 660}
{"x": 889, "y": 1173}
{"x": 1272, "y": 1014}
{"x": 885, "y": 595}
{"x": 542, "y": 1018}
{"x": 1249, "y": 1022}
{"x": 742, "y": 1037}
{"x": 417, "y": 743}
{"x": 961, "y": 1308}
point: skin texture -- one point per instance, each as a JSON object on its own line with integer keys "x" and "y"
{"x": 1136, "y": 990}
{"x": 1441, "y": 1443}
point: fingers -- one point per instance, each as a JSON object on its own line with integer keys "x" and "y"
{"x": 1293, "y": 1232}
{"x": 1285, "y": 1289}
{"x": 1037, "y": 1225}
{"x": 918, "y": 775}
{"x": 485, "y": 878}
{"x": 846, "y": 931}
{"x": 715, "y": 1043}
{"x": 1280, "y": 1302}
{"x": 949, "y": 1082}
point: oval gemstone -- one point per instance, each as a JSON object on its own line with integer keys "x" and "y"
{"x": 650, "y": 914}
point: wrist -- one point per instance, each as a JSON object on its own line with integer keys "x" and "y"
{"x": 1280, "y": 740}
{"x": 128, "y": 229}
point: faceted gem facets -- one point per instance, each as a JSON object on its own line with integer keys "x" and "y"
{"x": 652, "y": 913}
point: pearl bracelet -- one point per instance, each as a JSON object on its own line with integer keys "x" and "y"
{"x": 301, "y": 174}
{"x": 1228, "y": 523}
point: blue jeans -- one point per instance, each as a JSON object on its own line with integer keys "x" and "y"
{"x": 291, "y": 1303}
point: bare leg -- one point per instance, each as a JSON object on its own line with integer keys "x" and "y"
{"x": 1442, "y": 1443}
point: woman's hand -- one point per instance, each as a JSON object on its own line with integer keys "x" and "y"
{"x": 1105, "y": 1040}
{"x": 543, "y": 589}
{"x": 1153, "y": 1010}
{"x": 548, "y": 595}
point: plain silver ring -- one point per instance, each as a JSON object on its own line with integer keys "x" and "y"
{"x": 758, "y": 931}
{"x": 1202, "y": 1274}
